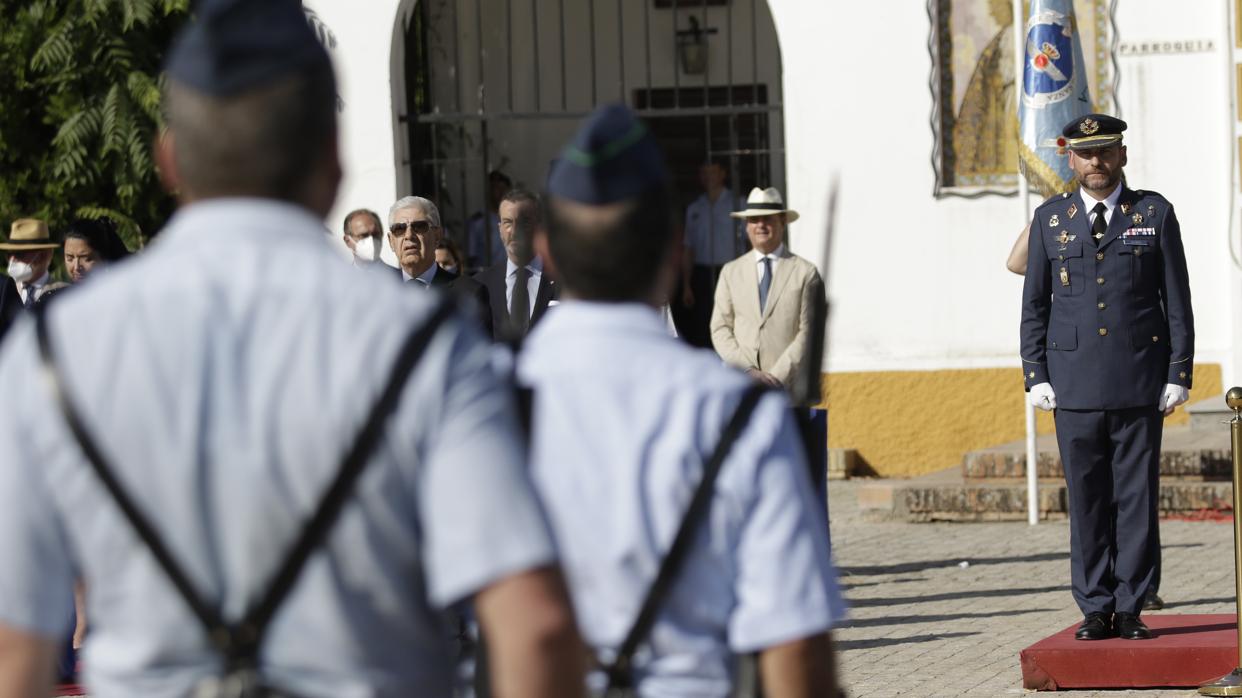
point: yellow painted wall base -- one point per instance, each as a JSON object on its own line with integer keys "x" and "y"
{"x": 905, "y": 423}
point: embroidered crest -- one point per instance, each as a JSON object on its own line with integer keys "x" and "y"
{"x": 1089, "y": 126}
{"x": 1073, "y": 210}
{"x": 1054, "y": 221}
{"x": 1050, "y": 70}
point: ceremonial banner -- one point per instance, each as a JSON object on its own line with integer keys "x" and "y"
{"x": 1054, "y": 92}
{"x": 974, "y": 118}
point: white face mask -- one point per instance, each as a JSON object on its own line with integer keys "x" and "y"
{"x": 20, "y": 271}
{"x": 367, "y": 250}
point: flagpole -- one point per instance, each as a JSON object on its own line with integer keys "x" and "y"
{"x": 1024, "y": 199}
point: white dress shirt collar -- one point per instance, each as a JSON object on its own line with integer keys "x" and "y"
{"x": 424, "y": 277}
{"x": 775, "y": 255}
{"x": 535, "y": 265}
{"x": 33, "y": 286}
{"x": 1109, "y": 203}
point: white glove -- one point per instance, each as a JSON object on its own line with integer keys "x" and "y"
{"x": 1041, "y": 396}
{"x": 1172, "y": 396}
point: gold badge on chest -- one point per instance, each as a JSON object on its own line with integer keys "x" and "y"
{"x": 1073, "y": 211}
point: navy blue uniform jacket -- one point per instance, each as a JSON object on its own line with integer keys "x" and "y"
{"x": 1107, "y": 324}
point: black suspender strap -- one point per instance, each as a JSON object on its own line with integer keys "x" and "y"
{"x": 239, "y": 642}
{"x": 620, "y": 670}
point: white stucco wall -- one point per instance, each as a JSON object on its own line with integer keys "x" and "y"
{"x": 916, "y": 282}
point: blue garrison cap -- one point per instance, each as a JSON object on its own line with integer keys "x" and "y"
{"x": 613, "y": 157}
{"x": 232, "y": 46}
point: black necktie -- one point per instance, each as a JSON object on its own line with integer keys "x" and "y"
{"x": 30, "y": 297}
{"x": 519, "y": 304}
{"x": 1099, "y": 225}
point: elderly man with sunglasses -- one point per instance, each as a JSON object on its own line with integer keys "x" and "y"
{"x": 413, "y": 232}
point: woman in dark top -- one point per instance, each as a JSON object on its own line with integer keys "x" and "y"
{"x": 90, "y": 244}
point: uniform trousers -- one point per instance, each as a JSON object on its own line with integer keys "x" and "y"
{"x": 1112, "y": 460}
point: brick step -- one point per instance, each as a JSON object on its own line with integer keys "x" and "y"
{"x": 1186, "y": 452}
{"x": 940, "y": 498}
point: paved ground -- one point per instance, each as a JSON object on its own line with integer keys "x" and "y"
{"x": 921, "y": 624}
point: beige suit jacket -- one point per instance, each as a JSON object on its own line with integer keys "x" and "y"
{"x": 773, "y": 340}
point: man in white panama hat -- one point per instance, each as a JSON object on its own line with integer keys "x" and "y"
{"x": 762, "y": 317}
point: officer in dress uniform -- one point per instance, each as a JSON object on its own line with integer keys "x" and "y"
{"x": 1108, "y": 346}
{"x": 225, "y": 397}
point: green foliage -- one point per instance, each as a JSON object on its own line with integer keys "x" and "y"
{"x": 79, "y": 109}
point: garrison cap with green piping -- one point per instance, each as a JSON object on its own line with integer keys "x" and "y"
{"x": 233, "y": 46}
{"x": 612, "y": 157}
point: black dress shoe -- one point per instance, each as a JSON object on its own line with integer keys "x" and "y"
{"x": 1152, "y": 602}
{"x": 1129, "y": 627}
{"x": 1096, "y": 626}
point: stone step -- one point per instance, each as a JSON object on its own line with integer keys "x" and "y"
{"x": 946, "y": 496}
{"x": 1185, "y": 452}
{"x": 1209, "y": 414}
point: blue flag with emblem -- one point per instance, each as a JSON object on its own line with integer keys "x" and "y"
{"x": 1054, "y": 92}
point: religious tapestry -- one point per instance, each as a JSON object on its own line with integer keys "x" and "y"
{"x": 974, "y": 115}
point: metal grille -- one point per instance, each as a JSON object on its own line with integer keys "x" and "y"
{"x": 499, "y": 85}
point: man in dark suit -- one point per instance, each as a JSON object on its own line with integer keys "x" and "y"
{"x": 413, "y": 232}
{"x": 29, "y": 249}
{"x": 519, "y": 289}
{"x": 1112, "y": 356}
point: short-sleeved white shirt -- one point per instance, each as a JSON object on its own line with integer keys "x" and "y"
{"x": 224, "y": 372}
{"x": 624, "y": 418}
{"x": 711, "y": 233}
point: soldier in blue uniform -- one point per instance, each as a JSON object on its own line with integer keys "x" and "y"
{"x": 1108, "y": 346}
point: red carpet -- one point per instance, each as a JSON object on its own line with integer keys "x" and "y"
{"x": 1185, "y": 651}
{"x": 68, "y": 689}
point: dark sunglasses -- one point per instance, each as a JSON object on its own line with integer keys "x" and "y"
{"x": 419, "y": 227}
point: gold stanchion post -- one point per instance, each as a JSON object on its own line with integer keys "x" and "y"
{"x": 1231, "y": 684}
